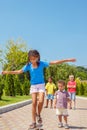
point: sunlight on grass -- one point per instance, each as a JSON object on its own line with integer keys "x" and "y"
{"x": 10, "y": 100}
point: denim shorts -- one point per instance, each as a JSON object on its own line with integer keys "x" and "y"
{"x": 50, "y": 96}
{"x": 72, "y": 96}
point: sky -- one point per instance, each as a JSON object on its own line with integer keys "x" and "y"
{"x": 56, "y": 28}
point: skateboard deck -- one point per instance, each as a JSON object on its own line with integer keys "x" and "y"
{"x": 38, "y": 127}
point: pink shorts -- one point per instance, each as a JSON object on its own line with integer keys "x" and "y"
{"x": 37, "y": 88}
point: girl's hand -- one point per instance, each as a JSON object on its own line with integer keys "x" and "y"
{"x": 3, "y": 72}
{"x": 72, "y": 60}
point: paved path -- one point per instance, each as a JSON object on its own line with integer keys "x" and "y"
{"x": 19, "y": 119}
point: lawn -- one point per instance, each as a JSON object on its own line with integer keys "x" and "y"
{"x": 9, "y": 100}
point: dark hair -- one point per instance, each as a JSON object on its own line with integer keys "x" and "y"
{"x": 50, "y": 77}
{"x": 62, "y": 82}
{"x": 34, "y": 53}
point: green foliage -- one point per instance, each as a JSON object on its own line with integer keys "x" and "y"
{"x": 26, "y": 86}
{"x": 9, "y": 86}
{"x": 61, "y": 71}
{"x": 81, "y": 73}
{"x": 1, "y": 86}
{"x": 16, "y": 58}
{"x": 81, "y": 89}
{"x": 16, "y": 55}
{"x": 85, "y": 88}
{"x": 0, "y": 56}
{"x": 78, "y": 84}
{"x": 17, "y": 85}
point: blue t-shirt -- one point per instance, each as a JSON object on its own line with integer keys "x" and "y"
{"x": 36, "y": 74}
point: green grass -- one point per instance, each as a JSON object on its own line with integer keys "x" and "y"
{"x": 6, "y": 100}
{"x": 82, "y": 96}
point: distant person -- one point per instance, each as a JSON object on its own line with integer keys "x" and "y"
{"x": 36, "y": 68}
{"x": 50, "y": 89}
{"x": 71, "y": 85}
{"x": 60, "y": 103}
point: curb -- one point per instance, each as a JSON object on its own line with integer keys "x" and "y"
{"x": 11, "y": 107}
{"x": 14, "y": 106}
{"x": 84, "y": 98}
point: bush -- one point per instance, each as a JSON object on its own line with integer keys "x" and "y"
{"x": 9, "y": 86}
{"x": 1, "y": 86}
{"x": 81, "y": 89}
{"x": 85, "y": 89}
{"x": 17, "y": 84}
{"x": 26, "y": 86}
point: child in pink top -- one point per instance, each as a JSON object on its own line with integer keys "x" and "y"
{"x": 71, "y": 86}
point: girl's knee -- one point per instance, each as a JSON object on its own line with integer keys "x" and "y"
{"x": 40, "y": 102}
{"x": 34, "y": 104}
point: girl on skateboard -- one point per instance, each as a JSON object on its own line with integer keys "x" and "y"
{"x": 36, "y": 69}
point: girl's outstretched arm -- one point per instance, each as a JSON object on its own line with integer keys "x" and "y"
{"x": 62, "y": 61}
{"x": 12, "y": 72}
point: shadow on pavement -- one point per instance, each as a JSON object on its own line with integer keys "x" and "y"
{"x": 81, "y": 108}
{"x": 78, "y": 128}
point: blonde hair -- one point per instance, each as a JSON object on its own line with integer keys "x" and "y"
{"x": 71, "y": 76}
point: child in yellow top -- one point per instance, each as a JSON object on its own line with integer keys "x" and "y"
{"x": 50, "y": 89}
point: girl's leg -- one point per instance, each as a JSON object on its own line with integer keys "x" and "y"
{"x": 40, "y": 105}
{"x": 34, "y": 105}
{"x": 40, "y": 102}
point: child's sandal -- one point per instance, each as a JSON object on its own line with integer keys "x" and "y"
{"x": 32, "y": 126}
{"x": 39, "y": 119}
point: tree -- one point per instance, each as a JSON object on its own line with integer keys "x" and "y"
{"x": 0, "y": 56}
{"x": 85, "y": 88}
{"x": 81, "y": 72}
{"x": 17, "y": 84}
{"x": 9, "y": 86}
{"x": 78, "y": 84}
{"x": 15, "y": 58}
{"x": 1, "y": 86}
{"x": 26, "y": 86}
{"x": 1, "y": 59}
{"x": 16, "y": 55}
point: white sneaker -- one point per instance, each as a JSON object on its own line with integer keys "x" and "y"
{"x": 73, "y": 108}
{"x": 60, "y": 125}
{"x": 66, "y": 126}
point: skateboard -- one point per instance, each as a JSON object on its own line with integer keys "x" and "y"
{"x": 38, "y": 127}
